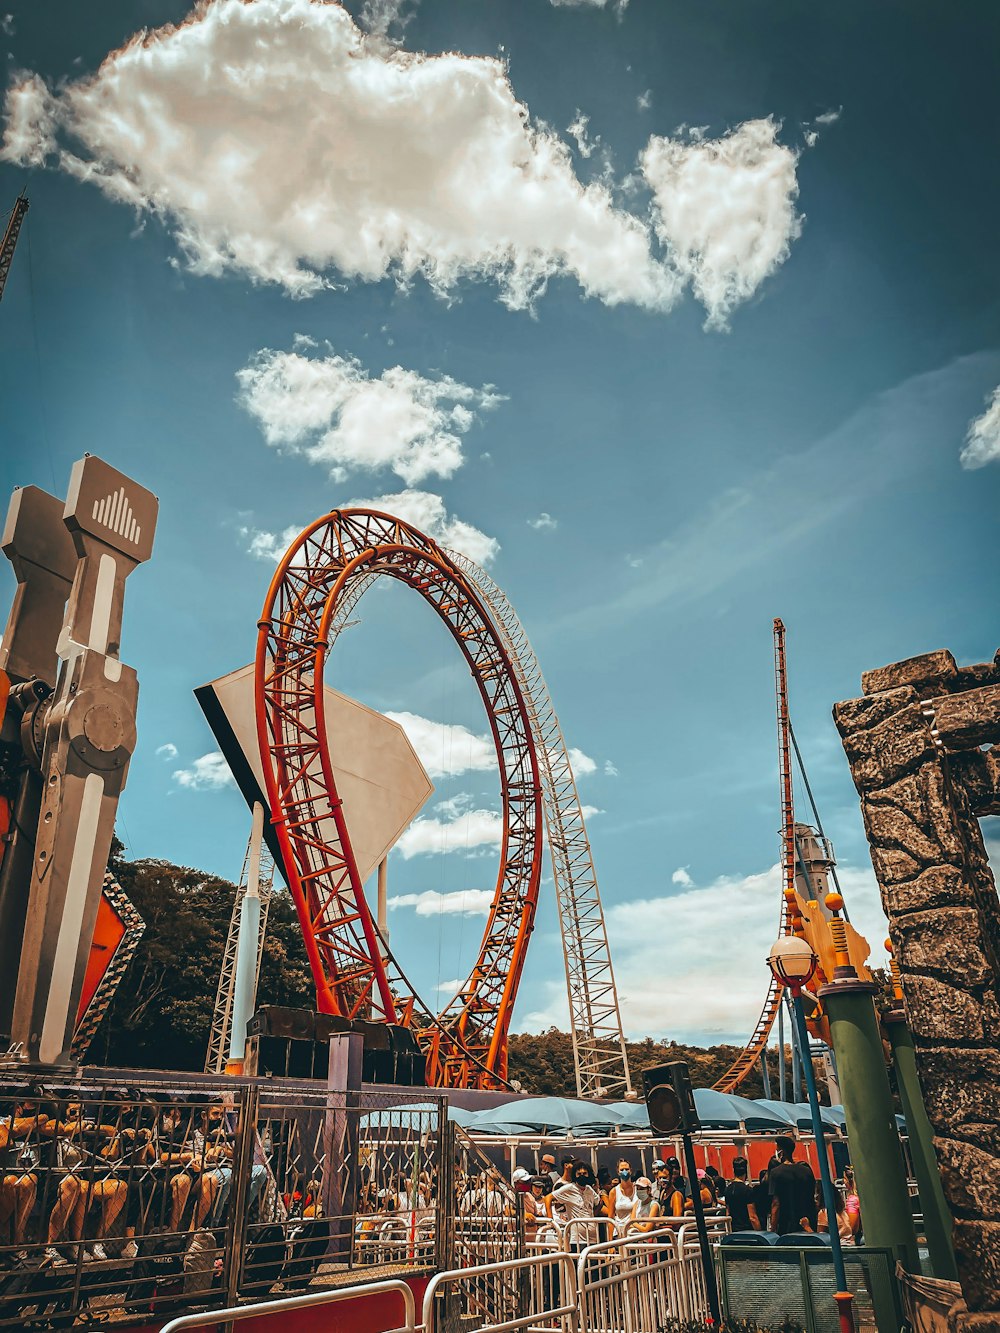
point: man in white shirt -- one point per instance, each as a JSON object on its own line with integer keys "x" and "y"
{"x": 577, "y": 1200}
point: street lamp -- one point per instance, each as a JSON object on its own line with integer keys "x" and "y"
{"x": 793, "y": 964}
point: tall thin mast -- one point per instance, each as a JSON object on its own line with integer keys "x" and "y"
{"x": 784, "y": 762}
{"x": 10, "y": 238}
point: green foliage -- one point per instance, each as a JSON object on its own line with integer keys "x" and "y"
{"x": 543, "y": 1063}
{"x": 162, "y": 1013}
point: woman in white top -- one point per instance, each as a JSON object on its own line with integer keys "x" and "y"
{"x": 621, "y": 1197}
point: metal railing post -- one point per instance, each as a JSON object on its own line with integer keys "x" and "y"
{"x": 246, "y": 1127}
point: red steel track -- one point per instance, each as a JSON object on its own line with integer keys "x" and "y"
{"x": 355, "y": 974}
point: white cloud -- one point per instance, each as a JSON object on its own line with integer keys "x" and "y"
{"x": 446, "y": 750}
{"x": 581, "y": 763}
{"x": 7, "y": 25}
{"x": 590, "y": 4}
{"x": 427, "y": 512}
{"x": 829, "y": 117}
{"x": 578, "y": 132}
{"x": 666, "y": 952}
{"x": 645, "y": 100}
{"x": 423, "y": 509}
{"x": 167, "y": 751}
{"x": 270, "y": 545}
{"x": 474, "y": 828}
{"x": 690, "y": 995}
{"x": 316, "y": 150}
{"x": 725, "y": 208}
{"x": 543, "y": 523}
{"x": 210, "y": 772}
{"x": 682, "y": 877}
{"x": 982, "y": 441}
{"x": 463, "y": 902}
{"x": 589, "y": 811}
{"x": 610, "y": 769}
{"x": 329, "y": 409}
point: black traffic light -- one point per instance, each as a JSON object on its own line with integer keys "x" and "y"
{"x": 670, "y": 1099}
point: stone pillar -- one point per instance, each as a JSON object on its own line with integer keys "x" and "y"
{"x": 914, "y": 743}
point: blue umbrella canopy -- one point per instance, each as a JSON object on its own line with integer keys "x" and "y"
{"x": 725, "y": 1110}
{"x": 547, "y": 1115}
{"x": 841, "y": 1119}
{"x": 831, "y": 1116}
{"x": 784, "y": 1112}
{"x": 412, "y": 1115}
{"x": 631, "y": 1115}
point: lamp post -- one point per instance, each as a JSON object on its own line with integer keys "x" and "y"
{"x": 793, "y": 963}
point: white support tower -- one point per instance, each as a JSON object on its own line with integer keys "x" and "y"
{"x": 222, "y": 1018}
{"x": 595, "y": 1019}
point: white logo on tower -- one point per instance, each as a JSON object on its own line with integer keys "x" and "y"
{"x": 115, "y": 512}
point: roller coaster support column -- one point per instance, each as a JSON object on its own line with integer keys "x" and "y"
{"x": 876, "y": 1153}
{"x": 245, "y": 980}
{"x": 937, "y": 1215}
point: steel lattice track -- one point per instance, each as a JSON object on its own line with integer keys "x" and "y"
{"x": 595, "y": 1017}
{"x": 218, "y": 1040}
{"x": 314, "y": 588}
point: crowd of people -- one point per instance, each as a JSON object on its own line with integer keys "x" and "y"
{"x": 786, "y": 1197}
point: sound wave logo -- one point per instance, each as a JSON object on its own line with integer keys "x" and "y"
{"x": 115, "y": 512}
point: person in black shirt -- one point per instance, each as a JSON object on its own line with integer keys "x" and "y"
{"x": 740, "y": 1199}
{"x": 792, "y": 1187}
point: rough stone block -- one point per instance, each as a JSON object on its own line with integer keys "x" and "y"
{"x": 938, "y": 1011}
{"x": 971, "y": 1179}
{"x": 892, "y": 867}
{"x": 889, "y": 750}
{"x": 945, "y": 940}
{"x": 937, "y": 886}
{"x": 927, "y": 669}
{"x": 861, "y": 714}
{"x": 968, "y": 719}
{"x": 961, "y": 1321}
{"x": 977, "y": 1252}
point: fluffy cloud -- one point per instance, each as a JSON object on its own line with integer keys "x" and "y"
{"x": 315, "y": 149}
{"x": 610, "y": 769}
{"x": 427, "y": 512}
{"x": 210, "y": 772}
{"x": 725, "y": 208}
{"x": 446, "y": 750}
{"x": 474, "y": 828}
{"x": 579, "y": 133}
{"x": 543, "y": 523}
{"x": 463, "y": 902}
{"x": 329, "y": 409}
{"x": 682, "y": 876}
{"x": 590, "y": 4}
{"x": 666, "y": 951}
{"x": 982, "y": 442}
{"x": 581, "y": 763}
{"x": 167, "y": 751}
{"x": 423, "y": 509}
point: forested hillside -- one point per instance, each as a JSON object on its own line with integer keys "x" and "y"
{"x": 161, "y": 1015}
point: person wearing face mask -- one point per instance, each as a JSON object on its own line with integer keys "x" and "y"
{"x": 621, "y": 1197}
{"x": 577, "y": 1198}
{"x": 645, "y": 1210}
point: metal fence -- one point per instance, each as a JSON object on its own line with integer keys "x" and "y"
{"x": 771, "y": 1284}
{"x": 118, "y": 1199}
{"x": 639, "y": 1282}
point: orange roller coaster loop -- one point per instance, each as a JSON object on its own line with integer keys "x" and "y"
{"x": 355, "y": 973}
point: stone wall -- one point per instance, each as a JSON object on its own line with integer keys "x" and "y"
{"x": 915, "y": 742}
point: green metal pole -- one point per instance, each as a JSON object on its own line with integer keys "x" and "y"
{"x": 937, "y": 1217}
{"x": 876, "y": 1153}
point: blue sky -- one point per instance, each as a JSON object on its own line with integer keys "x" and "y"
{"x": 681, "y": 316}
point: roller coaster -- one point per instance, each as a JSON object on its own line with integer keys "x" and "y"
{"x": 312, "y": 596}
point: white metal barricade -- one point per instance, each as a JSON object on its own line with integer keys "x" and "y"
{"x": 537, "y": 1293}
{"x": 637, "y": 1283}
